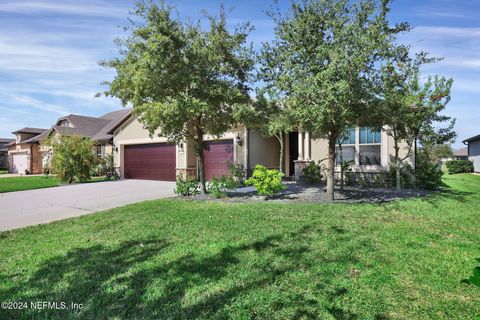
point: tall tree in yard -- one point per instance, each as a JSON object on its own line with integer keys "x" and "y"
{"x": 413, "y": 108}
{"x": 180, "y": 78}
{"x": 321, "y": 61}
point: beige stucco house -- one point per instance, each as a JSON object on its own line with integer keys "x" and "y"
{"x": 137, "y": 155}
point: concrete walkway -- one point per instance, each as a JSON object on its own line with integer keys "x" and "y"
{"x": 26, "y": 208}
{"x": 14, "y": 175}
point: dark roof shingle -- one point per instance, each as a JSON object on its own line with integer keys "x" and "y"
{"x": 30, "y": 130}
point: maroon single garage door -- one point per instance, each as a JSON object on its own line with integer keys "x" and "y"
{"x": 150, "y": 161}
{"x": 217, "y": 156}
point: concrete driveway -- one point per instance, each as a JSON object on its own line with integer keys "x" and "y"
{"x": 26, "y": 208}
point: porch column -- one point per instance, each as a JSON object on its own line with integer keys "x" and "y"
{"x": 300, "y": 145}
{"x": 307, "y": 146}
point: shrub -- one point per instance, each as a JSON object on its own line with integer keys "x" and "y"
{"x": 237, "y": 171}
{"x": 312, "y": 173}
{"x": 218, "y": 187}
{"x": 186, "y": 187}
{"x": 105, "y": 167}
{"x": 459, "y": 166}
{"x": 428, "y": 175}
{"x": 73, "y": 157}
{"x": 266, "y": 182}
{"x": 407, "y": 176}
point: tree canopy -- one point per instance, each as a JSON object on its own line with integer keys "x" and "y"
{"x": 321, "y": 63}
{"x": 181, "y": 78}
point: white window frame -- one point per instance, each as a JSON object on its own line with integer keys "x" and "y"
{"x": 102, "y": 150}
{"x": 357, "y": 151}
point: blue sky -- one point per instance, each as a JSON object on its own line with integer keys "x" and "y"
{"x": 49, "y": 52}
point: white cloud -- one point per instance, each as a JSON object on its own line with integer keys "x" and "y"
{"x": 39, "y": 105}
{"x": 443, "y": 31}
{"x": 35, "y": 57}
{"x": 459, "y": 46}
{"x": 65, "y": 7}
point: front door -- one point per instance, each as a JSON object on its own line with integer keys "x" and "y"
{"x": 293, "y": 152}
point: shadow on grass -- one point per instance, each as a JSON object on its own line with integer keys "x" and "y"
{"x": 137, "y": 279}
{"x": 450, "y": 194}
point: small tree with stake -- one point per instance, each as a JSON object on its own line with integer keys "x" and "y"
{"x": 182, "y": 79}
{"x": 413, "y": 108}
{"x": 272, "y": 118}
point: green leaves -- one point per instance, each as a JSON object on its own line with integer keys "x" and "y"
{"x": 267, "y": 182}
{"x": 475, "y": 278}
{"x": 73, "y": 157}
{"x": 181, "y": 79}
{"x": 177, "y": 75}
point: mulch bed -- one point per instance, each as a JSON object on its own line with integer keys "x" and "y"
{"x": 305, "y": 193}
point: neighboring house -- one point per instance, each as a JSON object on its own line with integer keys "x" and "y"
{"x": 91, "y": 127}
{"x": 4, "y": 152}
{"x": 26, "y": 153}
{"x": 460, "y": 154}
{"x": 473, "y": 144}
{"x": 139, "y": 156}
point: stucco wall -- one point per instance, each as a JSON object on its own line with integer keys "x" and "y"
{"x": 108, "y": 149}
{"x": 264, "y": 151}
{"x": 474, "y": 154}
{"x": 260, "y": 150}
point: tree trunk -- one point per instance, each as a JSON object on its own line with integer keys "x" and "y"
{"x": 282, "y": 151}
{"x": 398, "y": 181}
{"x": 201, "y": 159}
{"x": 342, "y": 174}
{"x": 331, "y": 168}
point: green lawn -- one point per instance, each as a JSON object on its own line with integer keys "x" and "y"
{"x": 30, "y": 183}
{"x": 172, "y": 259}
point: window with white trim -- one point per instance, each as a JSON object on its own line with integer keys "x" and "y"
{"x": 99, "y": 150}
{"x": 370, "y": 146}
{"x": 348, "y": 147}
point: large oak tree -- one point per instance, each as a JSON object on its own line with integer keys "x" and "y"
{"x": 182, "y": 78}
{"x": 321, "y": 62}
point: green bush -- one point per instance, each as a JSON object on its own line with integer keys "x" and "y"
{"x": 312, "y": 173}
{"x": 266, "y": 182}
{"x": 218, "y": 187}
{"x": 459, "y": 166}
{"x": 407, "y": 176}
{"x": 105, "y": 167}
{"x": 186, "y": 187}
{"x": 237, "y": 171}
{"x": 73, "y": 157}
{"x": 428, "y": 175}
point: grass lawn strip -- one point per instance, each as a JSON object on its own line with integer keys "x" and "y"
{"x": 190, "y": 259}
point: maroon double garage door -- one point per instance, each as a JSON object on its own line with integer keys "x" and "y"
{"x": 158, "y": 161}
